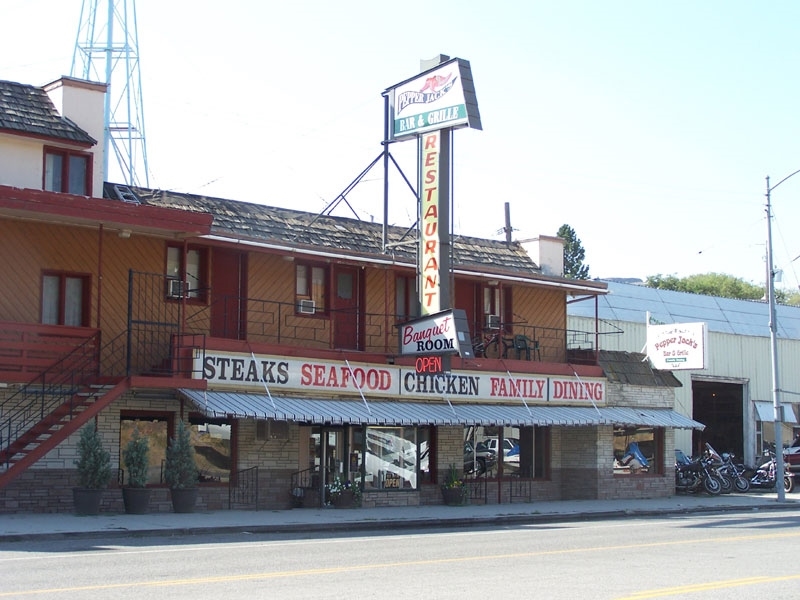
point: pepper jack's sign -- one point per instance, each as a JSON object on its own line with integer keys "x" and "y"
{"x": 677, "y": 346}
{"x": 334, "y": 379}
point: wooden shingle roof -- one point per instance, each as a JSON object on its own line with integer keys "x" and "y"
{"x": 304, "y": 230}
{"x": 28, "y": 110}
{"x": 635, "y": 369}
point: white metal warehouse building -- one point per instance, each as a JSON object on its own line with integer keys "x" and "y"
{"x": 733, "y": 395}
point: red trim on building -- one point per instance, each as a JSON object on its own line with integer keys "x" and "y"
{"x": 82, "y": 209}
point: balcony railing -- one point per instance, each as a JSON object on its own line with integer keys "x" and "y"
{"x": 27, "y": 349}
{"x": 279, "y": 323}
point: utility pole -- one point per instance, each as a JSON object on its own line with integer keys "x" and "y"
{"x": 773, "y": 337}
{"x": 107, "y": 51}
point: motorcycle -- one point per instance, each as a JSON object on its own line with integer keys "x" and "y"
{"x": 692, "y": 476}
{"x": 763, "y": 477}
{"x": 730, "y": 475}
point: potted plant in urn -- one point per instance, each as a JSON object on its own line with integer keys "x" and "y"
{"x": 180, "y": 470}
{"x": 344, "y": 494}
{"x": 454, "y": 489}
{"x": 136, "y": 495}
{"x": 94, "y": 471}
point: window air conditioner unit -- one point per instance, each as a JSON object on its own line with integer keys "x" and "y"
{"x": 307, "y": 307}
{"x": 492, "y": 322}
{"x": 177, "y": 288}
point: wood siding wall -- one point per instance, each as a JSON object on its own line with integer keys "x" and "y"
{"x": 29, "y": 248}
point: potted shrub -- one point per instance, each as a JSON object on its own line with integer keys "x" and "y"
{"x": 136, "y": 494}
{"x": 94, "y": 471}
{"x": 454, "y": 489}
{"x": 180, "y": 470}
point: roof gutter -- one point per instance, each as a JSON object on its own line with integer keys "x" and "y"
{"x": 292, "y": 250}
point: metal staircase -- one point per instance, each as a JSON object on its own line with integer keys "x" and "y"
{"x": 58, "y": 402}
{"x": 65, "y": 396}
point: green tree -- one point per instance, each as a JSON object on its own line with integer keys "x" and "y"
{"x": 574, "y": 254}
{"x": 720, "y": 285}
{"x": 94, "y": 464}
{"x": 180, "y": 470}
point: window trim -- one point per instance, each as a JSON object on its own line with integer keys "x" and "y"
{"x": 196, "y": 418}
{"x": 66, "y": 154}
{"x": 659, "y": 447}
{"x": 86, "y": 295}
{"x": 326, "y": 289}
{"x": 203, "y": 283}
{"x": 410, "y": 298}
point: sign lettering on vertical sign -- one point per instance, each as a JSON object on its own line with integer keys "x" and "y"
{"x": 430, "y": 255}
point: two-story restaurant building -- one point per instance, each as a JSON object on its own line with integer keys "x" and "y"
{"x": 274, "y": 334}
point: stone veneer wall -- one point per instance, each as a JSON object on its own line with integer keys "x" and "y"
{"x": 645, "y": 485}
{"x": 46, "y": 487}
{"x": 276, "y": 459}
{"x": 581, "y": 467}
{"x": 640, "y": 396}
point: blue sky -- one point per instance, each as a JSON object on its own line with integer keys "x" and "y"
{"x": 649, "y": 127}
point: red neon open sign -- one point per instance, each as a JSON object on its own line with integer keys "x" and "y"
{"x": 429, "y": 364}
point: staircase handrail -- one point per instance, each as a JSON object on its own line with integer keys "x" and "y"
{"x": 53, "y": 387}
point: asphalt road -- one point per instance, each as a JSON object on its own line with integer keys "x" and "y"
{"x": 719, "y": 556}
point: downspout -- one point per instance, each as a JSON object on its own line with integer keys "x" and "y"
{"x": 99, "y": 275}
{"x": 185, "y": 279}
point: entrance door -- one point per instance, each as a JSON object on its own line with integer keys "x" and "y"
{"x": 720, "y": 407}
{"x": 228, "y": 293}
{"x": 329, "y": 452}
{"x": 467, "y": 296}
{"x": 348, "y": 319}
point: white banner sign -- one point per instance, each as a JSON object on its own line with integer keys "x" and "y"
{"x": 677, "y": 346}
{"x": 338, "y": 379}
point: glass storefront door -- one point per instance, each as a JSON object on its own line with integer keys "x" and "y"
{"x": 335, "y": 452}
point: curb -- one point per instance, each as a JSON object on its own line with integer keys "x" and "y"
{"x": 384, "y": 525}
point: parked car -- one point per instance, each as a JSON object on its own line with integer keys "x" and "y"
{"x": 478, "y": 460}
{"x": 792, "y": 455}
{"x": 509, "y": 444}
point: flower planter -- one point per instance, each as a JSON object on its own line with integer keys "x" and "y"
{"x": 183, "y": 499}
{"x": 87, "y": 500}
{"x": 344, "y": 499}
{"x": 136, "y": 500}
{"x": 454, "y": 496}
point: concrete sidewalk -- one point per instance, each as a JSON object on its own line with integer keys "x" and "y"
{"x": 19, "y": 527}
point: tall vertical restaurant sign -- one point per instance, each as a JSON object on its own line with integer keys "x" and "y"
{"x": 441, "y": 97}
{"x": 678, "y": 346}
{"x": 434, "y": 227}
{"x": 429, "y": 106}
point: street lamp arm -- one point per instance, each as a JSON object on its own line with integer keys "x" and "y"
{"x": 769, "y": 189}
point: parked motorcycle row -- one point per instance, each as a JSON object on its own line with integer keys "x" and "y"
{"x": 716, "y": 473}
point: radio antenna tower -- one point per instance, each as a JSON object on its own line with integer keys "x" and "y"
{"x": 107, "y": 51}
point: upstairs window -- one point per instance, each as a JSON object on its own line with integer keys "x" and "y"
{"x": 186, "y": 274}
{"x": 65, "y": 299}
{"x": 406, "y": 298}
{"x": 311, "y": 289}
{"x": 67, "y": 171}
